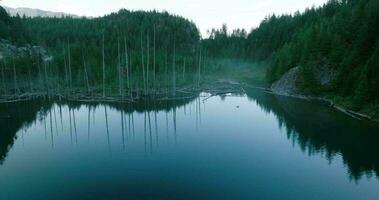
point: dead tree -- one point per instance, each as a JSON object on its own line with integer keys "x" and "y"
{"x": 199, "y": 70}
{"x": 3, "y": 77}
{"x": 147, "y": 62}
{"x": 103, "y": 66}
{"x": 184, "y": 68}
{"x": 85, "y": 72}
{"x": 166, "y": 70}
{"x": 127, "y": 67}
{"x": 143, "y": 66}
{"x": 154, "y": 61}
{"x": 69, "y": 65}
{"x": 66, "y": 72}
{"x": 46, "y": 79}
{"x": 174, "y": 72}
{"x": 40, "y": 71}
{"x": 119, "y": 68}
{"x": 17, "y": 89}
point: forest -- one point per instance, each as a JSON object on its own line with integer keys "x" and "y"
{"x": 121, "y": 53}
{"x": 131, "y": 51}
{"x": 343, "y": 34}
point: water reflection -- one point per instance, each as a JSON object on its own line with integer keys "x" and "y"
{"x": 315, "y": 128}
{"x": 320, "y": 130}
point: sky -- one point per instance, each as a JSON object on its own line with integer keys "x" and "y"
{"x": 206, "y": 14}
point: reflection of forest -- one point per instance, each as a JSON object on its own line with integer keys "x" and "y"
{"x": 17, "y": 116}
{"x": 14, "y": 117}
{"x": 318, "y": 129}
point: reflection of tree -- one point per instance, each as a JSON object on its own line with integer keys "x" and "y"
{"x": 17, "y": 116}
{"x": 14, "y": 117}
{"x": 319, "y": 130}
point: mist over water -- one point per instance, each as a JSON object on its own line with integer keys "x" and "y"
{"x": 252, "y": 146}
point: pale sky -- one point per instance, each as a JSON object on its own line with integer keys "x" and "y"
{"x": 205, "y": 13}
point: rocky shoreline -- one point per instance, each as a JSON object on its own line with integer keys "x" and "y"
{"x": 324, "y": 76}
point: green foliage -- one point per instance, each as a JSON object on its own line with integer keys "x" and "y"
{"x": 343, "y": 34}
{"x": 11, "y": 28}
{"x": 222, "y": 44}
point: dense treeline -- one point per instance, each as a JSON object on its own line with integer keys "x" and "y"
{"x": 222, "y": 44}
{"x": 152, "y": 36}
{"x": 342, "y": 34}
{"x": 127, "y": 50}
{"x": 345, "y": 36}
{"x": 12, "y": 28}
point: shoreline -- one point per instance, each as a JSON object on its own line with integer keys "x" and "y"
{"x": 216, "y": 88}
{"x": 332, "y": 104}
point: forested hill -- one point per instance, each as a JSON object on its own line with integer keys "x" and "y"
{"x": 101, "y": 52}
{"x": 12, "y": 28}
{"x": 342, "y": 34}
{"x": 133, "y": 27}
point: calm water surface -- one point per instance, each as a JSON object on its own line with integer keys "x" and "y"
{"x": 253, "y": 146}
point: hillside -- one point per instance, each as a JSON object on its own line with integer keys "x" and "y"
{"x": 12, "y": 28}
{"x": 31, "y": 12}
{"x": 341, "y": 36}
{"x": 137, "y": 50}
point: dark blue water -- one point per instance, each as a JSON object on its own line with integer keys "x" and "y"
{"x": 252, "y": 146}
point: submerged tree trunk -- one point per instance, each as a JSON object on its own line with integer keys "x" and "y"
{"x": 46, "y": 80}
{"x": 17, "y": 90}
{"x": 103, "y": 66}
{"x": 143, "y": 66}
{"x": 166, "y": 71}
{"x": 66, "y": 72}
{"x": 40, "y": 72}
{"x": 86, "y": 73}
{"x": 3, "y": 77}
{"x": 127, "y": 67}
{"x": 147, "y": 63}
{"x": 199, "y": 71}
{"x": 174, "y": 73}
{"x": 154, "y": 62}
{"x": 119, "y": 68}
{"x": 69, "y": 66}
{"x": 184, "y": 68}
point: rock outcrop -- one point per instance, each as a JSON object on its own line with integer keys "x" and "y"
{"x": 287, "y": 84}
{"x": 7, "y": 49}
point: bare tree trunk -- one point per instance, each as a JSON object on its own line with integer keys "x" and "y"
{"x": 69, "y": 65}
{"x": 184, "y": 68}
{"x": 30, "y": 80}
{"x": 86, "y": 73}
{"x": 154, "y": 62}
{"x": 119, "y": 68}
{"x": 199, "y": 75}
{"x": 66, "y": 72}
{"x": 166, "y": 70}
{"x": 174, "y": 72}
{"x": 143, "y": 66}
{"x": 148, "y": 62}
{"x": 46, "y": 81}
{"x": 39, "y": 72}
{"x": 127, "y": 67}
{"x": 103, "y": 67}
{"x": 3, "y": 77}
{"x": 17, "y": 89}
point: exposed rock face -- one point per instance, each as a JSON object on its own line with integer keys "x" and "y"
{"x": 287, "y": 84}
{"x": 324, "y": 74}
{"x": 7, "y": 49}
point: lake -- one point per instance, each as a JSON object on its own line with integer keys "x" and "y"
{"x": 248, "y": 146}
